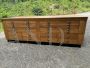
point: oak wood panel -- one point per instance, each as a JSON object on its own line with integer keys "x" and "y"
{"x": 20, "y": 23}
{"x": 44, "y": 39}
{"x": 18, "y": 36}
{"x": 82, "y": 26}
{"x": 11, "y": 36}
{"x": 58, "y": 30}
{"x": 7, "y": 24}
{"x": 33, "y": 24}
{"x": 43, "y": 24}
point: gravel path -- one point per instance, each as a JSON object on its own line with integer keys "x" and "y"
{"x": 18, "y": 55}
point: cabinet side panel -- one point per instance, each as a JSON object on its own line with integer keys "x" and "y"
{"x": 82, "y": 26}
{"x": 5, "y": 31}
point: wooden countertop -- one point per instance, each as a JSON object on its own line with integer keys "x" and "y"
{"x": 42, "y": 17}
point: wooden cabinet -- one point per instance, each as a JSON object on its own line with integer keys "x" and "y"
{"x": 56, "y": 29}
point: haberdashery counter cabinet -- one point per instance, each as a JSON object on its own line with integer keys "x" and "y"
{"x": 53, "y": 29}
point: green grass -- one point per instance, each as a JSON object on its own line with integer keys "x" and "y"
{"x": 42, "y": 7}
{"x": 1, "y": 27}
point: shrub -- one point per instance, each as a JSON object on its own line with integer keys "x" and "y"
{"x": 37, "y": 11}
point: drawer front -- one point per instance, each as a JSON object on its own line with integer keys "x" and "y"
{"x": 34, "y": 31}
{"x": 20, "y": 23}
{"x": 43, "y": 34}
{"x": 74, "y": 26}
{"x": 74, "y": 38}
{"x": 14, "y": 36}
{"x": 11, "y": 36}
{"x": 44, "y": 38}
{"x": 21, "y": 29}
{"x": 33, "y": 24}
{"x": 35, "y": 38}
{"x": 61, "y": 24}
{"x": 7, "y": 24}
{"x": 57, "y": 30}
{"x": 43, "y": 24}
{"x": 82, "y": 26}
{"x": 25, "y": 36}
{"x": 53, "y": 39}
{"x": 74, "y": 22}
{"x": 8, "y": 29}
{"x": 18, "y": 36}
{"x": 74, "y": 29}
{"x": 81, "y": 38}
{"x": 43, "y": 29}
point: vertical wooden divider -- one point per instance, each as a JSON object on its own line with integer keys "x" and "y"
{"x": 50, "y": 32}
{"x": 27, "y": 29}
{"x": 46, "y": 29}
{"x": 14, "y": 32}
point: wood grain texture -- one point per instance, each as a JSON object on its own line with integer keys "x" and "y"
{"x": 67, "y": 30}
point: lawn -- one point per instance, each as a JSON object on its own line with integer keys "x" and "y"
{"x": 1, "y": 28}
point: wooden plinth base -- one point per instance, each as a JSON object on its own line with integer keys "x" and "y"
{"x": 46, "y": 43}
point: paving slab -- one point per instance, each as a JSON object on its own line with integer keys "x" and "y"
{"x": 24, "y": 55}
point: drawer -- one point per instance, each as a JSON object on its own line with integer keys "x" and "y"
{"x": 8, "y": 29}
{"x": 34, "y": 31}
{"x": 33, "y": 24}
{"x": 73, "y": 41}
{"x": 59, "y": 23}
{"x": 43, "y": 30}
{"x": 76, "y": 39}
{"x": 81, "y": 37}
{"x": 21, "y": 29}
{"x": 7, "y": 24}
{"x": 58, "y": 30}
{"x": 17, "y": 29}
{"x": 26, "y": 37}
{"x": 11, "y": 36}
{"x": 14, "y": 36}
{"x": 35, "y": 38}
{"x": 53, "y": 39}
{"x": 55, "y": 35}
{"x": 20, "y": 23}
{"x": 74, "y": 28}
{"x": 73, "y": 38}
{"x": 74, "y": 22}
{"x": 43, "y": 24}
{"x": 44, "y": 34}
{"x": 82, "y": 26}
{"x": 63, "y": 41}
{"x": 60, "y": 37}
{"x": 19, "y": 36}
{"x": 25, "y": 34}
{"x": 70, "y": 38}
{"x": 54, "y": 30}
{"x": 34, "y": 34}
{"x": 44, "y": 38}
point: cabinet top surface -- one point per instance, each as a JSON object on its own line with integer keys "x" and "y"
{"x": 42, "y": 17}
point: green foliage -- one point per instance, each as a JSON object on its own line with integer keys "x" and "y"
{"x": 1, "y": 27}
{"x": 37, "y": 11}
{"x": 10, "y": 8}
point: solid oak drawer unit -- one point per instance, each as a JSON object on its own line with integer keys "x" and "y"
{"x": 53, "y": 29}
